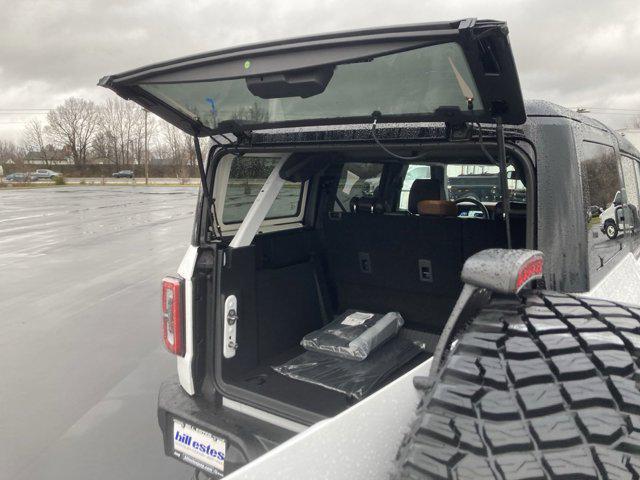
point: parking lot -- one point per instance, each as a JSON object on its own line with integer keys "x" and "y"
{"x": 80, "y": 269}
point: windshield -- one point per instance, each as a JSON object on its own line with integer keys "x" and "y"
{"x": 412, "y": 82}
{"x": 481, "y": 182}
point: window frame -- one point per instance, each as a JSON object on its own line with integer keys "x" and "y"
{"x": 597, "y": 274}
{"x": 634, "y": 243}
{"x": 221, "y": 183}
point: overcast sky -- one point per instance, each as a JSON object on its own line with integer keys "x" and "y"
{"x": 576, "y": 53}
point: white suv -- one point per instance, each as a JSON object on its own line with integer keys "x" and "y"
{"x": 291, "y": 234}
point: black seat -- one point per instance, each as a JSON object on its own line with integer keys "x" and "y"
{"x": 424, "y": 189}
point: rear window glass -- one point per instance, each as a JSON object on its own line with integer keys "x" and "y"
{"x": 357, "y": 180}
{"x": 248, "y": 175}
{"x": 423, "y": 79}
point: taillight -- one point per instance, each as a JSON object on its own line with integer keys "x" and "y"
{"x": 173, "y": 314}
{"x": 531, "y": 270}
{"x": 503, "y": 271}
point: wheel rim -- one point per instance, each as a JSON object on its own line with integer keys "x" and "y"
{"x": 611, "y": 231}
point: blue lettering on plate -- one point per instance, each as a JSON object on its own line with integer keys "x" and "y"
{"x": 202, "y": 447}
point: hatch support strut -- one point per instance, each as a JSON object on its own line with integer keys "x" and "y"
{"x": 209, "y": 203}
{"x": 504, "y": 186}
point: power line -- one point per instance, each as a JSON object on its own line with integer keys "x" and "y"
{"x": 607, "y": 108}
{"x": 613, "y": 113}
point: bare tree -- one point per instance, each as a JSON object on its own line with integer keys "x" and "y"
{"x": 73, "y": 125}
{"x": 34, "y": 139}
{"x": 179, "y": 149}
{"x": 10, "y": 151}
{"x": 122, "y": 131}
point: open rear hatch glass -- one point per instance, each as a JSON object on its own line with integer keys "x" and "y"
{"x": 450, "y": 72}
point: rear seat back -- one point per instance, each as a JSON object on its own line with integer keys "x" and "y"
{"x": 396, "y": 262}
{"x": 407, "y": 263}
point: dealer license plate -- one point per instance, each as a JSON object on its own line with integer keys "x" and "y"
{"x": 198, "y": 448}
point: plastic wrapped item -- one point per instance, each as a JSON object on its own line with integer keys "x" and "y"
{"x": 354, "y": 335}
{"x": 354, "y": 379}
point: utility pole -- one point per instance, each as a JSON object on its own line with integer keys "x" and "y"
{"x": 146, "y": 149}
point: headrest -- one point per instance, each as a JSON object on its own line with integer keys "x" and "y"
{"x": 441, "y": 208}
{"x": 424, "y": 189}
{"x": 367, "y": 205}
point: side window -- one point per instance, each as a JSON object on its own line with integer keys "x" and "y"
{"x": 414, "y": 172}
{"x": 631, "y": 219}
{"x": 357, "y": 180}
{"x": 248, "y": 175}
{"x": 604, "y": 218}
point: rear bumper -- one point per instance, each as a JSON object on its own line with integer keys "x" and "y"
{"x": 246, "y": 437}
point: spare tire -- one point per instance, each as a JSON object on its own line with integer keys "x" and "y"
{"x": 539, "y": 386}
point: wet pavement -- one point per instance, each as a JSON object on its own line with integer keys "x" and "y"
{"x": 80, "y": 351}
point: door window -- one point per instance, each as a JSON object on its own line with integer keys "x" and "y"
{"x": 631, "y": 219}
{"x": 600, "y": 187}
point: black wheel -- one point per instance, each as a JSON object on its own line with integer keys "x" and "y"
{"x": 611, "y": 229}
{"x": 545, "y": 386}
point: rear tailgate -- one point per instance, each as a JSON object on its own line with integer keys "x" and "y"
{"x": 359, "y": 443}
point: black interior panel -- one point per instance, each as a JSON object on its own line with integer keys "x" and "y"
{"x": 292, "y": 282}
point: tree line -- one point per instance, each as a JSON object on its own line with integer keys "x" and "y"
{"x": 116, "y": 132}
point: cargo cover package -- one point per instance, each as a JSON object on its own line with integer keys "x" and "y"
{"x": 354, "y": 334}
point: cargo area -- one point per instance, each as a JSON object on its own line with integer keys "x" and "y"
{"x": 292, "y": 282}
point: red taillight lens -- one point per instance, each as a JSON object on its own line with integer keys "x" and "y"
{"x": 173, "y": 314}
{"x": 532, "y": 269}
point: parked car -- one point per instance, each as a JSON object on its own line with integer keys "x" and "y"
{"x": 618, "y": 217}
{"x": 542, "y": 380}
{"x": 46, "y": 174}
{"x": 21, "y": 177}
{"x": 123, "y": 174}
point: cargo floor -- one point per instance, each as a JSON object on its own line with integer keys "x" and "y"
{"x": 265, "y": 381}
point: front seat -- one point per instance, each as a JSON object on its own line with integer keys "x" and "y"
{"x": 425, "y": 198}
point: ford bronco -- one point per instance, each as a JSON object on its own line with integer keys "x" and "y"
{"x": 354, "y": 174}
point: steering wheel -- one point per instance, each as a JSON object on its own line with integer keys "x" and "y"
{"x": 476, "y": 202}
